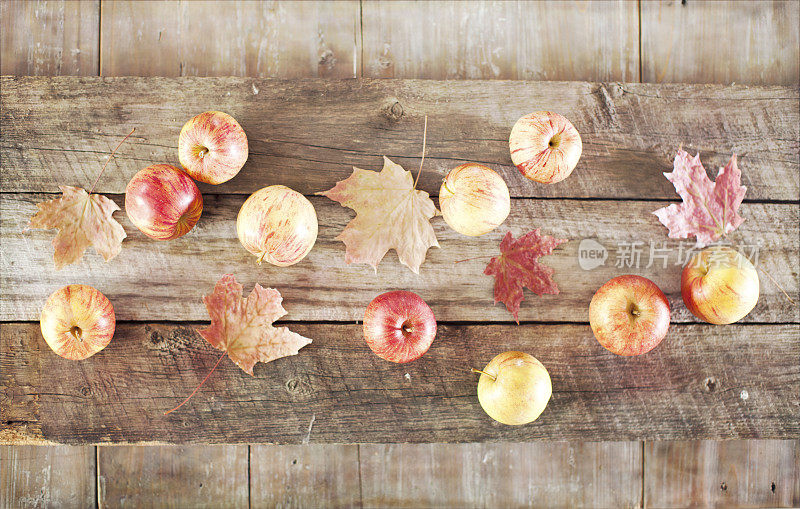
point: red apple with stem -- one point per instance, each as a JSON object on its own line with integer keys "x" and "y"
{"x": 545, "y": 146}
{"x": 629, "y": 315}
{"x": 399, "y": 326}
{"x": 77, "y": 321}
{"x": 163, "y": 202}
{"x": 212, "y": 147}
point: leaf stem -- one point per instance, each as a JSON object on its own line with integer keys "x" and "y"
{"x": 776, "y": 284}
{"x": 424, "y": 140}
{"x": 201, "y": 383}
{"x": 111, "y": 156}
{"x": 473, "y": 258}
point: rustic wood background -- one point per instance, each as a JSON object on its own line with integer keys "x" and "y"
{"x": 753, "y": 43}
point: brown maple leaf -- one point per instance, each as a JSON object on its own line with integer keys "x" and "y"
{"x": 82, "y": 219}
{"x": 390, "y": 214}
{"x": 518, "y": 267}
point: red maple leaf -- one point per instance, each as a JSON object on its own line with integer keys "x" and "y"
{"x": 710, "y": 209}
{"x": 518, "y": 267}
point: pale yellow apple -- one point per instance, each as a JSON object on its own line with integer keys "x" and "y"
{"x": 514, "y": 388}
{"x": 474, "y": 199}
{"x": 545, "y": 146}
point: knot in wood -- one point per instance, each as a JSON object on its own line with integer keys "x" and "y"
{"x": 393, "y": 110}
{"x": 297, "y": 387}
{"x": 85, "y": 391}
{"x": 710, "y": 384}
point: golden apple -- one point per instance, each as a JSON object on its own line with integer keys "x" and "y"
{"x": 77, "y": 321}
{"x": 719, "y": 285}
{"x": 514, "y": 388}
{"x": 474, "y": 199}
{"x": 545, "y": 146}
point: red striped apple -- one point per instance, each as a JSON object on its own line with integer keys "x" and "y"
{"x": 163, "y": 202}
{"x": 77, "y": 321}
{"x": 474, "y": 199}
{"x": 545, "y": 146}
{"x": 212, "y": 147}
{"x": 629, "y": 315}
{"x": 514, "y": 388}
{"x": 719, "y": 285}
{"x": 399, "y": 326}
{"x": 277, "y": 224}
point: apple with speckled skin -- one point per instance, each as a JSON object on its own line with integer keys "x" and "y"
{"x": 277, "y": 225}
{"x": 212, "y": 147}
{"x": 545, "y": 146}
{"x": 514, "y": 388}
{"x": 77, "y": 321}
{"x": 399, "y": 326}
{"x": 163, "y": 202}
{"x": 719, "y": 285}
{"x": 474, "y": 199}
{"x": 629, "y": 315}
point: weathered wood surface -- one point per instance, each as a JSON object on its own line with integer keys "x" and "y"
{"x": 756, "y": 473}
{"x": 533, "y": 474}
{"x": 721, "y": 42}
{"x": 308, "y": 134}
{"x": 34, "y": 476}
{"x": 324, "y": 287}
{"x": 502, "y": 40}
{"x": 260, "y": 39}
{"x": 173, "y": 476}
{"x": 691, "y": 386}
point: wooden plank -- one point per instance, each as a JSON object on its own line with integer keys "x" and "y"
{"x": 539, "y": 474}
{"x": 173, "y": 476}
{"x": 47, "y": 476}
{"x": 258, "y": 39}
{"x": 691, "y": 386}
{"x": 312, "y": 475}
{"x": 308, "y": 134}
{"x": 752, "y": 473}
{"x": 721, "y": 42}
{"x": 152, "y": 280}
{"x": 596, "y": 41}
{"x": 50, "y": 38}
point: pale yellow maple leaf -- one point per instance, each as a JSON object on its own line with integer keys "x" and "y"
{"x": 82, "y": 219}
{"x": 390, "y": 214}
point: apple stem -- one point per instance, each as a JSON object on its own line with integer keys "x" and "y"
{"x": 424, "y": 140}
{"x": 111, "y": 156}
{"x": 75, "y": 331}
{"x": 261, "y": 258}
{"x": 776, "y": 284}
{"x": 201, "y": 384}
{"x": 484, "y": 373}
{"x": 202, "y": 153}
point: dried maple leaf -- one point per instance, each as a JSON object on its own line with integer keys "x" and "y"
{"x": 82, "y": 219}
{"x": 518, "y": 267}
{"x": 709, "y": 209}
{"x": 242, "y": 327}
{"x": 390, "y": 214}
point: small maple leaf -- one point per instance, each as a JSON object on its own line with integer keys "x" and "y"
{"x": 390, "y": 214}
{"x": 518, "y": 267}
{"x": 82, "y": 219}
{"x": 242, "y": 327}
{"x": 710, "y": 209}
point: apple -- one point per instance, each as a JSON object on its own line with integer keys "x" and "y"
{"x": 77, "y": 321}
{"x": 514, "y": 388}
{"x": 163, "y": 202}
{"x": 399, "y": 326}
{"x": 277, "y": 224}
{"x": 545, "y": 146}
{"x": 629, "y": 315}
{"x": 212, "y": 147}
{"x": 474, "y": 199}
{"x": 719, "y": 285}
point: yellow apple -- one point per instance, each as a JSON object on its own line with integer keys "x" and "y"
{"x": 719, "y": 285}
{"x": 474, "y": 199}
{"x": 514, "y": 388}
{"x": 545, "y": 146}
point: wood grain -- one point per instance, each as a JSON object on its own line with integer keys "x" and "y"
{"x": 533, "y": 474}
{"x": 721, "y": 42}
{"x": 754, "y": 473}
{"x": 258, "y": 39}
{"x": 153, "y": 280}
{"x": 50, "y": 38}
{"x": 689, "y": 387}
{"x": 502, "y": 40}
{"x": 308, "y": 134}
{"x": 311, "y": 475}
{"x": 46, "y": 476}
{"x": 173, "y": 476}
